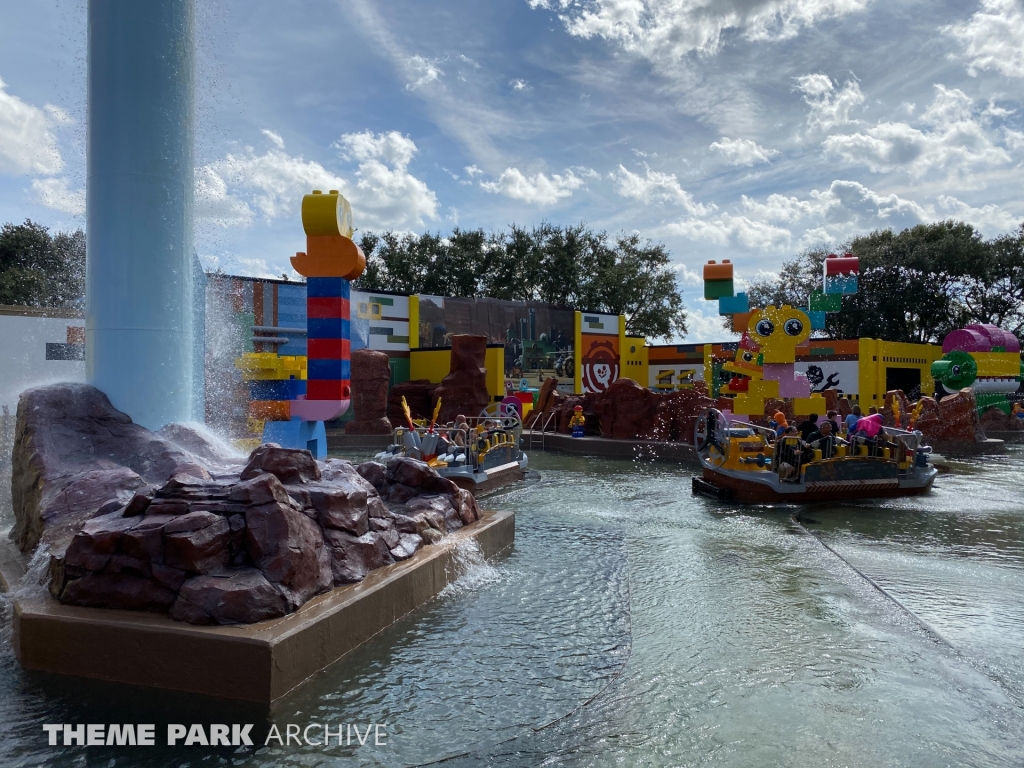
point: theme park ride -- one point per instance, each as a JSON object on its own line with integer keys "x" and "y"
{"x": 478, "y": 453}
{"x": 747, "y": 462}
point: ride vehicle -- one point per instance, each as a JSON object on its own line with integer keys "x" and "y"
{"x": 746, "y": 463}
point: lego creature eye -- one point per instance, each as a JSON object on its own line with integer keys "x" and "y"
{"x": 747, "y": 357}
{"x": 793, "y": 327}
{"x": 765, "y": 327}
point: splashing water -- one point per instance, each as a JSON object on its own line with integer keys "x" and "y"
{"x": 472, "y": 571}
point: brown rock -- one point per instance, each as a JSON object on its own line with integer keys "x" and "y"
{"x": 237, "y": 596}
{"x": 73, "y": 453}
{"x": 117, "y": 590}
{"x": 169, "y": 577}
{"x": 955, "y": 418}
{"x": 469, "y": 511}
{"x": 464, "y": 389}
{"x": 94, "y": 545}
{"x": 264, "y": 488}
{"x": 439, "y": 505}
{"x": 197, "y": 542}
{"x": 373, "y": 472}
{"x": 545, "y": 399}
{"x": 408, "y": 545}
{"x": 145, "y": 540}
{"x": 371, "y": 373}
{"x": 341, "y": 505}
{"x": 289, "y": 548}
{"x": 352, "y": 557}
{"x": 289, "y": 465}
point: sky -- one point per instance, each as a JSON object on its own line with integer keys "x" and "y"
{"x": 739, "y": 129}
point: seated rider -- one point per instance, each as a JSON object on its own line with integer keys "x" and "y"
{"x": 787, "y": 453}
{"x": 824, "y": 440}
{"x": 808, "y": 427}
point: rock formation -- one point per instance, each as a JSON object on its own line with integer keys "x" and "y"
{"x": 370, "y": 376}
{"x": 995, "y": 419}
{"x": 464, "y": 389}
{"x": 418, "y": 394}
{"x": 627, "y": 411}
{"x": 135, "y": 521}
{"x": 954, "y": 418}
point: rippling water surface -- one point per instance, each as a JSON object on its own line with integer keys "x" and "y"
{"x": 633, "y": 624}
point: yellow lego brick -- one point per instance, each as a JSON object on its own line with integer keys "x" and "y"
{"x": 763, "y": 389}
{"x": 803, "y": 406}
{"x": 267, "y": 366}
{"x": 997, "y": 363}
{"x": 745, "y": 405}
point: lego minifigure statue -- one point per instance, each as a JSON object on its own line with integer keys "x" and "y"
{"x": 578, "y": 421}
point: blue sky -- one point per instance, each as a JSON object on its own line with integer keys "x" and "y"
{"x": 742, "y": 129}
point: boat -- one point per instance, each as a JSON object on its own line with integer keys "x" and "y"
{"x": 489, "y": 457}
{"x": 745, "y": 463}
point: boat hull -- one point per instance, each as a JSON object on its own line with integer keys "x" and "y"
{"x": 747, "y": 491}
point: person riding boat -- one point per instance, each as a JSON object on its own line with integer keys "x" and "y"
{"x": 825, "y": 440}
{"x": 868, "y": 429}
{"x": 808, "y": 427}
{"x": 779, "y": 420}
{"x": 787, "y": 453}
{"x": 851, "y": 420}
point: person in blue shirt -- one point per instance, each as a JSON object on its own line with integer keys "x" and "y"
{"x": 852, "y": 419}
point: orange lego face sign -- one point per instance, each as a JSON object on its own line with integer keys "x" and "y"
{"x": 330, "y": 252}
{"x": 778, "y": 331}
{"x": 745, "y": 363}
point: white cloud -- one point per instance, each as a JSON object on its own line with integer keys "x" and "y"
{"x": 664, "y": 31}
{"x": 28, "y": 145}
{"x": 993, "y": 38}
{"x": 539, "y": 189}
{"x": 782, "y": 223}
{"x": 518, "y": 84}
{"x": 656, "y": 187}
{"x": 472, "y": 170}
{"x": 274, "y": 136}
{"x": 421, "y": 71}
{"x": 705, "y": 326}
{"x": 990, "y": 219}
{"x": 56, "y": 194}
{"x": 954, "y": 142}
{"x": 829, "y": 106}
{"x": 231, "y": 191}
{"x": 742, "y": 151}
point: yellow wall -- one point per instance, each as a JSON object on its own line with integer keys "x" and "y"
{"x": 633, "y": 358}
{"x": 874, "y": 356}
{"x": 434, "y": 364}
{"x": 430, "y": 364}
{"x": 414, "y": 322}
{"x": 495, "y": 363}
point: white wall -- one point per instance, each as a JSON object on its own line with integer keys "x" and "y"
{"x": 23, "y": 360}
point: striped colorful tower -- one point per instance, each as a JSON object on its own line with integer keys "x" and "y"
{"x": 330, "y": 261}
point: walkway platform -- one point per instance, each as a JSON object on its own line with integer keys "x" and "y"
{"x": 255, "y": 662}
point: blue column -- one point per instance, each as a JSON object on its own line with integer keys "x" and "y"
{"x": 139, "y": 281}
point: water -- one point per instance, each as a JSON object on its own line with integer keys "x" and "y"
{"x": 633, "y": 624}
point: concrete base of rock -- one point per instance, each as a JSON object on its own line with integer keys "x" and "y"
{"x": 658, "y": 450}
{"x": 256, "y": 662}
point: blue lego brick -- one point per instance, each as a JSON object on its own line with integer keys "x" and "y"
{"x": 328, "y": 370}
{"x": 732, "y": 305}
{"x": 296, "y": 433}
{"x": 327, "y": 328}
{"x": 817, "y": 320}
{"x": 279, "y": 389}
{"x": 841, "y": 284}
{"x": 327, "y": 287}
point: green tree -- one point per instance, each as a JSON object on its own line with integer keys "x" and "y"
{"x": 916, "y": 285}
{"x": 39, "y": 269}
{"x": 567, "y": 266}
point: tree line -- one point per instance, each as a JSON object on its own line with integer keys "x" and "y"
{"x": 40, "y": 269}
{"x": 914, "y": 286}
{"x": 570, "y": 266}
